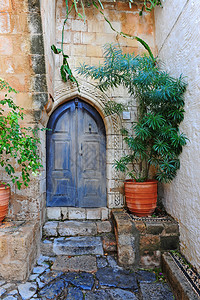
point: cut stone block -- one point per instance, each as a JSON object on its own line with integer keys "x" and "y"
{"x": 76, "y": 213}
{"x": 93, "y": 214}
{"x": 84, "y": 263}
{"x": 104, "y": 226}
{"x": 53, "y": 213}
{"x": 50, "y": 229}
{"x": 78, "y": 246}
{"x": 73, "y": 228}
{"x": 109, "y": 242}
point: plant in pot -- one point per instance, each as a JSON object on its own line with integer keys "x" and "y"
{"x": 154, "y": 141}
{"x": 19, "y": 156}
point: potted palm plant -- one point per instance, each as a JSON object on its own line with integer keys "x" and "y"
{"x": 19, "y": 156}
{"x": 154, "y": 141}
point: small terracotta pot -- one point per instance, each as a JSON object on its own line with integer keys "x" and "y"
{"x": 4, "y": 200}
{"x": 141, "y": 197}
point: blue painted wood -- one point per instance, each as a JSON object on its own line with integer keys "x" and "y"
{"x": 76, "y": 157}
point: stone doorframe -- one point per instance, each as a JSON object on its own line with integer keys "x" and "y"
{"x": 89, "y": 93}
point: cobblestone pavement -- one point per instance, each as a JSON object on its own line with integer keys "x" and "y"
{"x": 105, "y": 280}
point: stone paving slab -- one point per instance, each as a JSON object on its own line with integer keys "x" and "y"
{"x": 78, "y": 246}
{"x": 85, "y": 263}
{"x": 117, "y": 278}
{"x": 110, "y": 282}
{"x": 68, "y": 277}
{"x": 158, "y": 291}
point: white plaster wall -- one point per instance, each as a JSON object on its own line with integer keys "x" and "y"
{"x": 177, "y": 34}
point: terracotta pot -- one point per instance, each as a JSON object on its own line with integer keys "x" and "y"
{"x": 141, "y": 197}
{"x": 4, "y": 200}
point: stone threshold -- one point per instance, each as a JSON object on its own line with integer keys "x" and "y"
{"x": 77, "y": 213}
{"x": 182, "y": 282}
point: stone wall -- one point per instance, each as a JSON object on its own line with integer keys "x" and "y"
{"x": 83, "y": 42}
{"x": 22, "y": 65}
{"x": 19, "y": 248}
{"x": 177, "y": 39}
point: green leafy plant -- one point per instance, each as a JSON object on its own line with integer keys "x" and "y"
{"x": 18, "y": 144}
{"x": 155, "y": 139}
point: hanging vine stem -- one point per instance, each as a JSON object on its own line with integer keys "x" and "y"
{"x": 65, "y": 70}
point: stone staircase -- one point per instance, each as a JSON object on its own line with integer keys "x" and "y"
{"x": 76, "y": 244}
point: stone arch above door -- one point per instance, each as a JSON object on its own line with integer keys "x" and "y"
{"x": 90, "y": 94}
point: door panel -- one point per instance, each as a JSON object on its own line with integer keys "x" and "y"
{"x": 76, "y": 157}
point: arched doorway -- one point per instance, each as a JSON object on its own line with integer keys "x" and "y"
{"x": 76, "y": 156}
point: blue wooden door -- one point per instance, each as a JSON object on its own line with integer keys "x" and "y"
{"x": 76, "y": 157}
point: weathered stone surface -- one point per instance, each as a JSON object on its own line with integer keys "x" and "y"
{"x": 104, "y": 226}
{"x": 49, "y": 276}
{"x": 145, "y": 276}
{"x": 169, "y": 242}
{"x": 180, "y": 285}
{"x": 21, "y": 247}
{"x": 150, "y": 259}
{"x": 76, "y": 213}
{"x": 52, "y": 290}
{"x": 39, "y": 270}
{"x": 86, "y": 263}
{"x": 33, "y": 277}
{"x": 119, "y": 294}
{"x": 74, "y": 228}
{"x": 140, "y": 226}
{"x": 154, "y": 228}
{"x": 104, "y": 213}
{"x": 98, "y": 295}
{"x": 46, "y": 247}
{"x": 123, "y": 222}
{"x": 53, "y": 213}
{"x": 101, "y": 262}
{"x": 10, "y": 298}
{"x": 50, "y": 229}
{"x": 43, "y": 260}
{"x": 171, "y": 227}
{"x": 149, "y": 243}
{"x": 78, "y": 246}
{"x": 117, "y": 278}
{"x": 159, "y": 291}
{"x": 126, "y": 255}
{"x": 2, "y": 291}
{"x": 74, "y": 294}
{"x": 109, "y": 242}
{"x": 27, "y": 290}
{"x": 81, "y": 280}
{"x": 112, "y": 262}
{"x": 93, "y": 214}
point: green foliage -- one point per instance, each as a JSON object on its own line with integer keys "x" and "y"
{"x": 65, "y": 70}
{"x": 18, "y": 145}
{"x": 155, "y": 139}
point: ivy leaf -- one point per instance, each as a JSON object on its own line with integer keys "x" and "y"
{"x": 56, "y": 50}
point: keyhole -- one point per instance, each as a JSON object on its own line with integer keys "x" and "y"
{"x": 90, "y": 128}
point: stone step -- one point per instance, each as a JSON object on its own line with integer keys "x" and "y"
{"x": 75, "y": 228}
{"x": 73, "y": 246}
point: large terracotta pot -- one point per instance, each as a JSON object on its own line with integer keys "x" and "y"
{"x": 4, "y": 200}
{"x": 141, "y": 197}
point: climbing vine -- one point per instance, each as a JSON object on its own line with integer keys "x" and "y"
{"x": 65, "y": 70}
